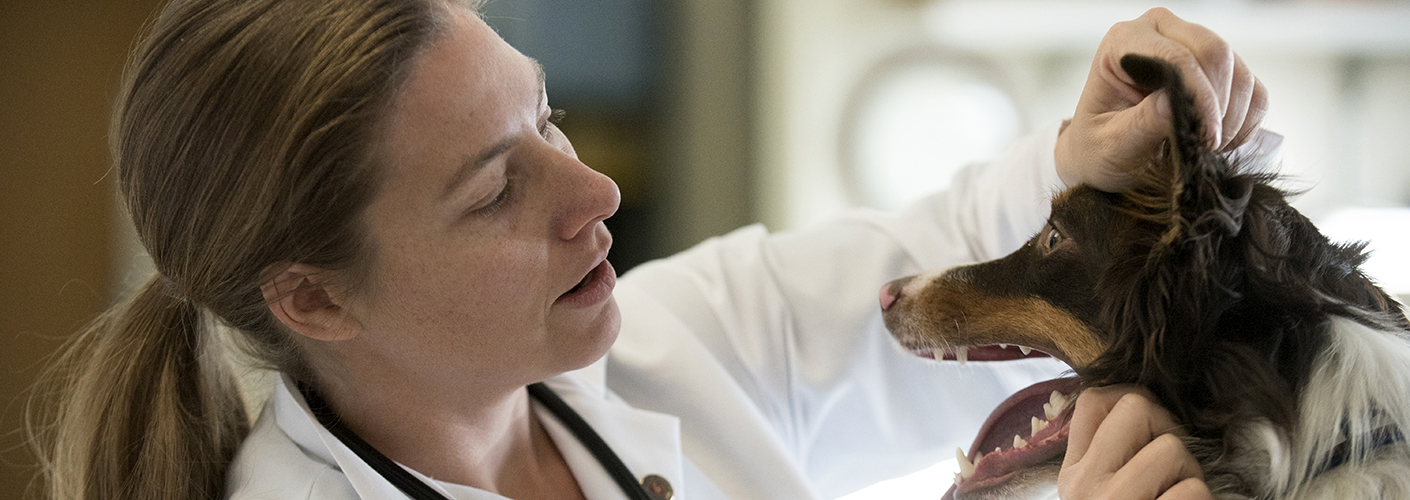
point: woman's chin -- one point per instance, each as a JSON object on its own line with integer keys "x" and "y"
{"x": 590, "y": 342}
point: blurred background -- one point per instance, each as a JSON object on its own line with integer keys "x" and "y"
{"x": 712, "y": 114}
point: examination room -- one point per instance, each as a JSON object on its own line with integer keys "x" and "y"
{"x": 767, "y": 249}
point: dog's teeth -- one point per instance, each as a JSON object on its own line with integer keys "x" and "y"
{"x": 962, "y": 354}
{"x": 978, "y": 458}
{"x": 1025, "y": 349}
{"x": 1018, "y": 442}
{"x": 957, "y": 478}
{"x": 1003, "y": 346}
{"x": 1038, "y": 425}
{"x": 1058, "y": 401}
{"x": 966, "y": 468}
{"x": 1049, "y": 412}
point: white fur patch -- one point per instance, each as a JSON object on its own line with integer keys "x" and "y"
{"x": 922, "y": 281}
{"x": 1359, "y": 384}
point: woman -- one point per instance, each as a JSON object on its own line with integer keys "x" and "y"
{"x": 371, "y": 196}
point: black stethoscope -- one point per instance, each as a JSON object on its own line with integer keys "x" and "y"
{"x": 418, "y": 490}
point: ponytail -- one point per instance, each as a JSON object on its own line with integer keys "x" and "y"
{"x": 242, "y": 138}
{"x": 147, "y": 406}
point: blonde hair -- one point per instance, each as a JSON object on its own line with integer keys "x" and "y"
{"x": 241, "y": 139}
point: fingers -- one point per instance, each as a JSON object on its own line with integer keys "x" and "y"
{"x": 1091, "y": 408}
{"x": 1189, "y": 489}
{"x": 1117, "y": 124}
{"x": 1123, "y": 445}
{"x": 1257, "y": 109}
{"x": 1213, "y": 74}
{"x": 1157, "y": 467}
{"x": 1204, "y": 59}
{"x": 1110, "y": 418}
{"x": 1240, "y": 95}
{"x": 1132, "y": 422}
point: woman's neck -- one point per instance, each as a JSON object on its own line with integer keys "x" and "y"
{"x": 491, "y": 440}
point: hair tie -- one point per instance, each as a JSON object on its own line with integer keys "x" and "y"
{"x": 171, "y": 289}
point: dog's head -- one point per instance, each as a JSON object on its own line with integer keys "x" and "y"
{"x": 1198, "y": 284}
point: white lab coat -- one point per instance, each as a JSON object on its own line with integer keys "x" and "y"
{"x": 752, "y": 366}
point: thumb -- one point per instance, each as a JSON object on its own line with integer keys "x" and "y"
{"x": 1148, "y": 122}
{"x": 1122, "y": 140}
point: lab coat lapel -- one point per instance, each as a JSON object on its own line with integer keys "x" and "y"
{"x": 294, "y": 417}
{"x": 649, "y": 443}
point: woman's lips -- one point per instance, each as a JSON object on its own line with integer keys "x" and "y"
{"x": 595, "y": 287}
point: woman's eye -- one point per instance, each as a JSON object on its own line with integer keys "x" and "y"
{"x": 554, "y": 119}
{"x": 501, "y": 199}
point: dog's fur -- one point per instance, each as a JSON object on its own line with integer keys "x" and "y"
{"x": 1288, "y": 367}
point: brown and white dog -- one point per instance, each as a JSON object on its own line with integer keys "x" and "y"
{"x": 1289, "y": 368}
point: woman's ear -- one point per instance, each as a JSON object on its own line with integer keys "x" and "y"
{"x": 301, "y": 297}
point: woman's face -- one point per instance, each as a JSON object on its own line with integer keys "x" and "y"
{"x": 484, "y": 226}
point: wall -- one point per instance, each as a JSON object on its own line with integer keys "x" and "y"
{"x": 60, "y": 60}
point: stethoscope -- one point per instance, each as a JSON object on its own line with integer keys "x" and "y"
{"x": 418, "y": 490}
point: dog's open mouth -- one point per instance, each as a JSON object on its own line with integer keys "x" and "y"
{"x": 999, "y": 352}
{"x": 1024, "y": 435}
{"x": 1019, "y": 449}
{"x": 1027, "y": 432}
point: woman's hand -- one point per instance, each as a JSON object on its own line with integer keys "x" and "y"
{"x": 1122, "y": 445}
{"x": 1116, "y": 124}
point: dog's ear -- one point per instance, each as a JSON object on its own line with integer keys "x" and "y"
{"x": 1200, "y": 193}
{"x": 1169, "y": 285}
{"x": 1214, "y": 279}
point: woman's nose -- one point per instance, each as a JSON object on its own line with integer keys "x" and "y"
{"x": 589, "y": 196}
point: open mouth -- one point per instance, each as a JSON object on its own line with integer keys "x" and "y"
{"x": 595, "y": 286}
{"x": 1027, "y": 430}
{"x": 1024, "y": 434}
{"x": 587, "y": 279}
{"x": 963, "y": 354}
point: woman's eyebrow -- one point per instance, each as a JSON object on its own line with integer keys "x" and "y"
{"x": 539, "y": 74}
{"x": 470, "y": 167}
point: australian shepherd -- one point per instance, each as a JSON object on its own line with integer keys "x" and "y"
{"x": 1287, "y": 366}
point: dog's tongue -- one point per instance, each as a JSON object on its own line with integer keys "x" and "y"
{"x": 1010, "y": 430}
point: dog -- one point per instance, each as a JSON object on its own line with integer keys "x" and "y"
{"x": 1287, "y": 366}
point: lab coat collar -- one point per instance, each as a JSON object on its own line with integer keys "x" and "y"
{"x": 647, "y": 442}
{"x": 292, "y": 414}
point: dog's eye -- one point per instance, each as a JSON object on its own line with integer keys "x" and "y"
{"x": 1052, "y": 239}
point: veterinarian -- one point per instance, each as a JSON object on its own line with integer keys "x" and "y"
{"x": 370, "y": 197}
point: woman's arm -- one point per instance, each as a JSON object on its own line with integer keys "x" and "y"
{"x": 784, "y": 330}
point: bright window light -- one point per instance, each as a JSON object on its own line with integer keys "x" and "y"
{"x": 1384, "y": 229}
{"x": 919, "y": 124}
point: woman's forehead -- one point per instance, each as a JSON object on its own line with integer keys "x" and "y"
{"x": 470, "y": 66}
{"x": 463, "y": 93}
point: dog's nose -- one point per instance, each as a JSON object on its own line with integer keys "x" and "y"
{"x": 891, "y": 292}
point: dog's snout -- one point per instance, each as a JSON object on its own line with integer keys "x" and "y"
{"x": 891, "y": 292}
